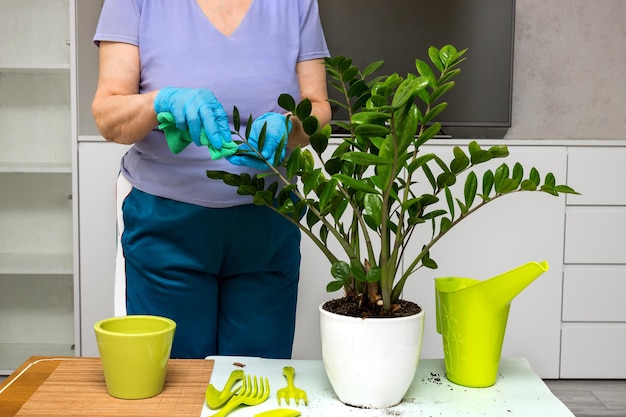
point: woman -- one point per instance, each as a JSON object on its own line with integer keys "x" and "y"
{"x": 225, "y": 270}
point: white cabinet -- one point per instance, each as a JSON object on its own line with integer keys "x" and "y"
{"x": 36, "y": 286}
{"x": 594, "y": 281}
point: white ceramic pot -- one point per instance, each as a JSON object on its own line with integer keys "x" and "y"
{"x": 371, "y": 362}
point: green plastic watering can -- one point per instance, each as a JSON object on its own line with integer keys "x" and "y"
{"x": 471, "y": 317}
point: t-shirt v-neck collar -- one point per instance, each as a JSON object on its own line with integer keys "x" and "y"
{"x": 214, "y": 27}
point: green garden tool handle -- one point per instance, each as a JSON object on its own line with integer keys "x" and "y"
{"x": 289, "y": 372}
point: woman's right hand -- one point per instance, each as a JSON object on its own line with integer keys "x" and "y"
{"x": 194, "y": 110}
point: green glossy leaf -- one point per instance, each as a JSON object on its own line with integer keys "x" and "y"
{"x": 349, "y": 74}
{"x": 449, "y": 75}
{"x": 215, "y": 175}
{"x": 303, "y": 109}
{"x": 549, "y": 189}
{"x": 371, "y": 68}
{"x": 460, "y": 161}
{"x": 446, "y": 179}
{"x": 434, "y": 112}
{"x": 440, "y": 91}
{"x": 293, "y": 163}
{"x": 262, "y": 136}
{"x": 263, "y": 198}
{"x": 420, "y": 161}
{"x": 340, "y": 271}
{"x": 433, "y": 214}
{"x": 311, "y": 219}
{"x": 236, "y": 119}
{"x": 371, "y": 130}
{"x": 370, "y": 117}
{"x": 433, "y": 54}
{"x": 333, "y": 286}
{"x": 488, "y": 181}
{"x": 287, "y": 102}
{"x": 308, "y": 162}
{"x": 358, "y": 88}
{"x": 231, "y": 179}
{"x": 429, "y": 263}
{"x": 330, "y": 188}
{"x": 566, "y": 189}
{"x": 463, "y": 207}
{"x": 278, "y": 152}
{"x": 249, "y": 126}
{"x": 406, "y": 127}
{"x": 310, "y": 125}
{"x": 356, "y": 269}
{"x": 501, "y": 174}
{"x": 340, "y": 208}
{"x": 364, "y": 158}
{"x": 323, "y": 233}
{"x": 360, "y": 102}
{"x": 319, "y": 142}
{"x": 333, "y": 166}
{"x": 507, "y": 185}
{"x": 446, "y": 224}
{"x": 407, "y": 90}
{"x": 528, "y": 185}
{"x": 246, "y": 190}
{"x": 311, "y": 180}
{"x": 518, "y": 172}
{"x": 425, "y": 71}
{"x": 428, "y": 134}
{"x": 448, "y": 55}
{"x": 535, "y": 177}
{"x": 287, "y": 207}
{"x": 550, "y": 180}
{"x": 373, "y": 205}
{"x": 373, "y": 275}
{"x": 449, "y": 201}
{"x": 499, "y": 151}
{"x": 359, "y": 185}
{"x": 471, "y": 187}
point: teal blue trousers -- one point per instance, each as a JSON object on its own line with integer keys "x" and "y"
{"x": 227, "y": 277}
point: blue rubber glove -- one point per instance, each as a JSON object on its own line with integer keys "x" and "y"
{"x": 274, "y": 133}
{"x": 193, "y": 110}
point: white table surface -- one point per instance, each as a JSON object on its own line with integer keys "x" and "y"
{"x": 518, "y": 392}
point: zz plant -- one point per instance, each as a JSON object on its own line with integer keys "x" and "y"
{"x": 379, "y": 185}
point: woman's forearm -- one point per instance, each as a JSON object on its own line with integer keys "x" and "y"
{"x": 125, "y": 118}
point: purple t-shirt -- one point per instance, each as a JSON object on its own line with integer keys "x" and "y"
{"x": 179, "y": 47}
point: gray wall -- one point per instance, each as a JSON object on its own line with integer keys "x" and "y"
{"x": 569, "y": 76}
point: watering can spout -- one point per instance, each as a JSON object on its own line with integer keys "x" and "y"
{"x": 503, "y": 288}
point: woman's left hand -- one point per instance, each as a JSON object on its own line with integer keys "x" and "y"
{"x": 278, "y": 127}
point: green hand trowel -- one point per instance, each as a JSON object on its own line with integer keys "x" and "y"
{"x": 215, "y": 398}
{"x": 279, "y": 412}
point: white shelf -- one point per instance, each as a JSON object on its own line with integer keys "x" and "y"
{"x": 12, "y": 355}
{"x": 33, "y": 68}
{"x": 36, "y": 264}
{"x": 36, "y": 167}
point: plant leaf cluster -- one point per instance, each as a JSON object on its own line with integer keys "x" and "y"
{"x": 379, "y": 185}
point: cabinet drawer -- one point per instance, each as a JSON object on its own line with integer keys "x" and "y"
{"x": 595, "y": 235}
{"x": 594, "y": 294}
{"x": 593, "y": 172}
{"x": 593, "y": 352}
